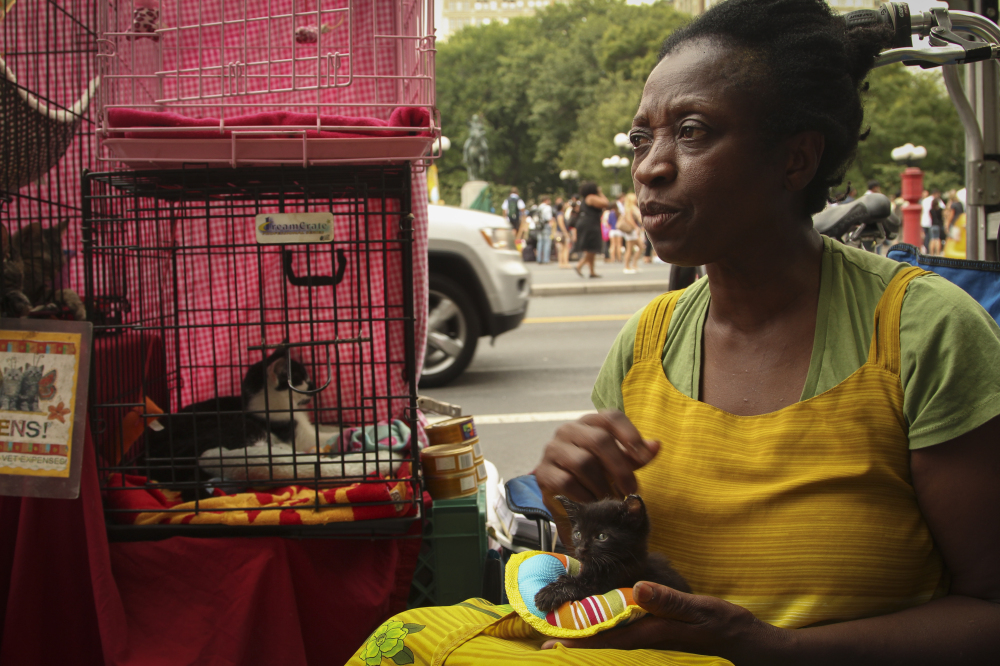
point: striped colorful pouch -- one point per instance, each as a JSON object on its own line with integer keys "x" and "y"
{"x": 529, "y": 572}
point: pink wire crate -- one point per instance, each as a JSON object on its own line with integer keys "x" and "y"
{"x": 256, "y": 82}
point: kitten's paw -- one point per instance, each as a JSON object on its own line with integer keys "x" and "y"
{"x": 551, "y": 597}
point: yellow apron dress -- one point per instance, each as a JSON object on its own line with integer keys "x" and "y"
{"x": 805, "y": 515}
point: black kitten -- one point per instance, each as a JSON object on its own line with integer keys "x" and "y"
{"x": 609, "y": 538}
{"x": 266, "y": 411}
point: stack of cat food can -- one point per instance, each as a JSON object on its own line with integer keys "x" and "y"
{"x": 453, "y": 463}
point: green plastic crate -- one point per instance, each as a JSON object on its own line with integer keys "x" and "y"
{"x": 450, "y": 566}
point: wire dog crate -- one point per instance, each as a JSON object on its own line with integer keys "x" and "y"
{"x": 233, "y": 303}
{"x": 45, "y": 131}
{"x": 238, "y": 82}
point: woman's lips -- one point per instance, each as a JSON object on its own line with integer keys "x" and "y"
{"x": 654, "y": 221}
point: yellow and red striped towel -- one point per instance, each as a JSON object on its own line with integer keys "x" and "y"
{"x": 529, "y": 572}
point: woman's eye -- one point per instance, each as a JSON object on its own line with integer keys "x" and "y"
{"x": 602, "y": 537}
{"x": 692, "y": 132}
{"x": 638, "y": 140}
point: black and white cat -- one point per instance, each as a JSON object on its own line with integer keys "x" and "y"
{"x": 263, "y": 434}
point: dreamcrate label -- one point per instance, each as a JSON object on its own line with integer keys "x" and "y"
{"x": 38, "y": 392}
{"x": 275, "y": 228}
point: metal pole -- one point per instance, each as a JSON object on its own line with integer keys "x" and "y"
{"x": 973, "y": 154}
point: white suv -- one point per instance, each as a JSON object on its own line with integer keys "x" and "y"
{"x": 478, "y": 286}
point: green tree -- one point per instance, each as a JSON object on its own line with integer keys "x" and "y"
{"x": 905, "y": 105}
{"x": 555, "y": 88}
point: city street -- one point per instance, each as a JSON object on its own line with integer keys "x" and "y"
{"x": 541, "y": 374}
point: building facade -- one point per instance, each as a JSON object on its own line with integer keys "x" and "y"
{"x": 461, "y": 13}
{"x": 696, "y": 7}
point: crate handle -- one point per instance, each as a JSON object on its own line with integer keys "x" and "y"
{"x": 329, "y": 374}
{"x": 314, "y": 280}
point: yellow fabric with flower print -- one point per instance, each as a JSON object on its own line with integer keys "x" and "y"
{"x": 529, "y": 572}
{"x": 389, "y": 642}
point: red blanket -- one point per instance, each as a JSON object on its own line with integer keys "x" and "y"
{"x": 69, "y": 597}
{"x": 407, "y": 117}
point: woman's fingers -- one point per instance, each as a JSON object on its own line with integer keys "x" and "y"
{"x": 665, "y": 602}
{"x": 594, "y": 457}
{"x": 560, "y": 481}
{"x": 618, "y": 425}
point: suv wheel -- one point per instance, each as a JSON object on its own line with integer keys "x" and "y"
{"x": 452, "y": 332}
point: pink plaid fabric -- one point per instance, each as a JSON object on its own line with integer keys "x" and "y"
{"x": 210, "y": 361}
{"x": 224, "y": 58}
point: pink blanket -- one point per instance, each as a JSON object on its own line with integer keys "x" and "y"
{"x": 406, "y": 116}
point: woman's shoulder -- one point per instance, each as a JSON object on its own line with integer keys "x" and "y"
{"x": 860, "y": 264}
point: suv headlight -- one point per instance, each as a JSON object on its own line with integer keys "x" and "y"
{"x": 499, "y": 238}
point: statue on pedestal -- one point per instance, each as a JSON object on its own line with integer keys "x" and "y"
{"x": 476, "y": 154}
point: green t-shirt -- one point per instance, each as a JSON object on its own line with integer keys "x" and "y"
{"x": 950, "y": 368}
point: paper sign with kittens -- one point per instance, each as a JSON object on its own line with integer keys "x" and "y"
{"x": 38, "y": 375}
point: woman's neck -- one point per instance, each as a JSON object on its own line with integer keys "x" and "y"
{"x": 766, "y": 281}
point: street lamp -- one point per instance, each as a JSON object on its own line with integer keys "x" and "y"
{"x": 441, "y": 144}
{"x": 615, "y": 163}
{"x": 622, "y": 140}
{"x": 569, "y": 176}
{"x": 912, "y": 189}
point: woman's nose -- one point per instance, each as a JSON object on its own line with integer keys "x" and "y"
{"x": 657, "y": 166}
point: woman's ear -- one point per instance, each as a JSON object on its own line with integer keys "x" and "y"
{"x": 804, "y": 150}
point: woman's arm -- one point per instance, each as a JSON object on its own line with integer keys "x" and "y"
{"x": 958, "y": 488}
{"x": 561, "y": 225}
{"x": 596, "y": 201}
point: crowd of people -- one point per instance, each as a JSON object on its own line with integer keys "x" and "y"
{"x": 579, "y": 229}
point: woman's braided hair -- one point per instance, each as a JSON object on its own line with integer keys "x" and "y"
{"x": 808, "y": 71}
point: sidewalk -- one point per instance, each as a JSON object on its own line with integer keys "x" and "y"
{"x": 550, "y": 280}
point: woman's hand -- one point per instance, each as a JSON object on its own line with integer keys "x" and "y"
{"x": 688, "y": 623}
{"x": 593, "y": 458}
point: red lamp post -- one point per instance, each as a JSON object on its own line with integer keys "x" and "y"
{"x": 912, "y": 190}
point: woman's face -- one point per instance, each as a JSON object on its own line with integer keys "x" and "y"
{"x": 706, "y": 184}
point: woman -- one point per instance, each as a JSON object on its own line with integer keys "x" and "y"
{"x": 937, "y": 224}
{"x": 955, "y": 208}
{"x": 615, "y": 236}
{"x": 630, "y": 228}
{"x": 562, "y": 235}
{"x": 589, "y": 241}
{"x": 814, "y": 428}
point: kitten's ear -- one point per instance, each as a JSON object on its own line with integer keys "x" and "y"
{"x": 633, "y": 506}
{"x": 572, "y": 508}
{"x": 63, "y": 225}
{"x": 277, "y": 368}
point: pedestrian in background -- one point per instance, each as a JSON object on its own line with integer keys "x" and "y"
{"x": 588, "y": 226}
{"x": 954, "y": 209}
{"x": 543, "y": 230}
{"x": 513, "y": 208}
{"x": 937, "y": 223}
{"x": 571, "y": 216}
{"x": 925, "y": 220}
{"x": 562, "y": 235}
{"x": 630, "y": 228}
{"x": 615, "y": 235}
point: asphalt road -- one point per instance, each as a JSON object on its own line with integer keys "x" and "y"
{"x": 534, "y": 372}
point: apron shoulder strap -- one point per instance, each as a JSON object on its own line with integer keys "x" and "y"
{"x": 653, "y": 324}
{"x": 884, "y": 350}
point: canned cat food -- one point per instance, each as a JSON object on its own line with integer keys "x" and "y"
{"x": 448, "y": 459}
{"x": 453, "y": 431}
{"x": 450, "y": 486}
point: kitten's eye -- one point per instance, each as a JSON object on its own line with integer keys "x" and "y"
{"x": 602, "y": 537}
{"x": 576, "y": 535}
